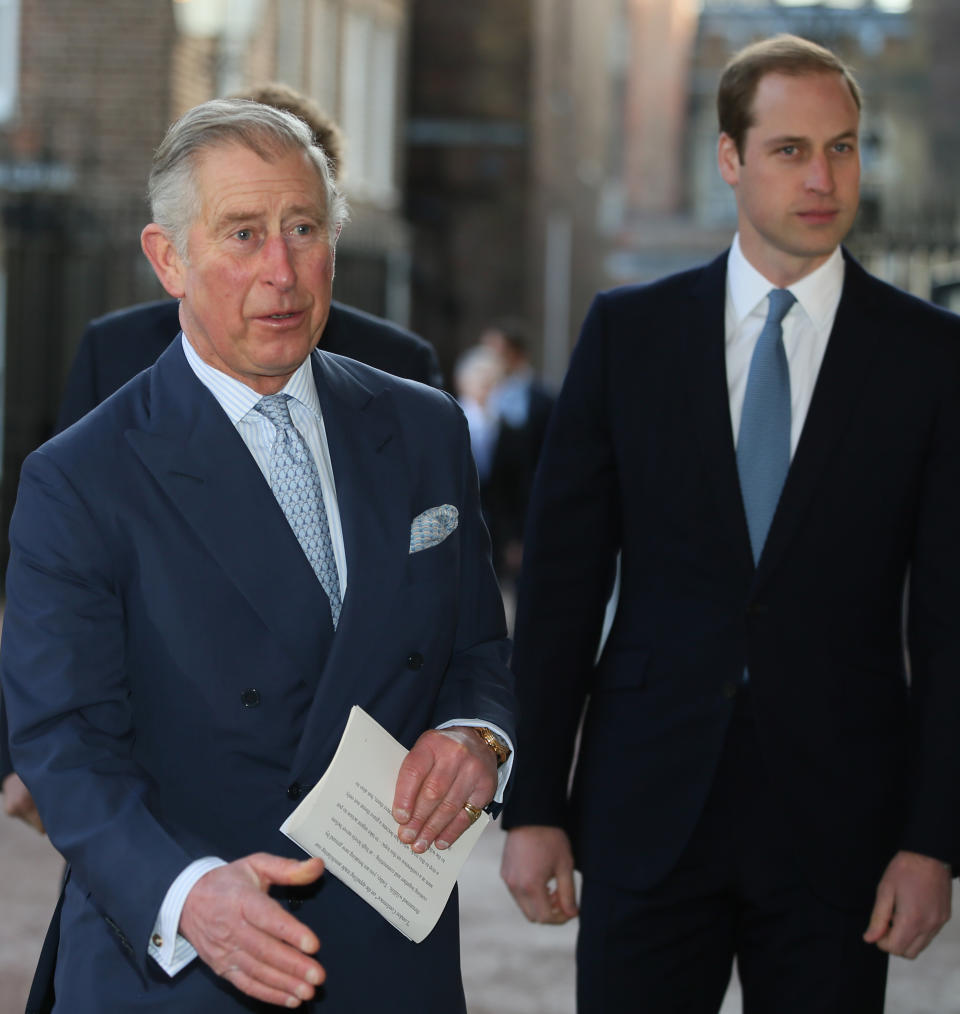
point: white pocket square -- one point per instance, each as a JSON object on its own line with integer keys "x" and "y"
{"x": 432, "y": 526}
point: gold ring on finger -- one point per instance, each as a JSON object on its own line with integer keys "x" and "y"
{"x": 473, "y": 812}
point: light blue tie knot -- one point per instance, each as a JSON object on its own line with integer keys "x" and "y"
{"x": 295, "y": 482}
{"x": 763, "y": 444}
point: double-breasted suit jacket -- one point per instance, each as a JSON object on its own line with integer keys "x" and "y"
{"x": 172, "y": 679}
{"x": 117, "y": 346}
{"x": 640, "y": 461}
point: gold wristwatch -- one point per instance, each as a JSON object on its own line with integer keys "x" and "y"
{"x": 496, "y": 744}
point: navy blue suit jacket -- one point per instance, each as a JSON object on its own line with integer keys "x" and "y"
{"x": 639, "y": 460}
{"x": 153, "y": 579}
{"x": 117, "y": 346}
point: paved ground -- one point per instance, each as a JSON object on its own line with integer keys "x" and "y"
{"x": 510, "y": 967}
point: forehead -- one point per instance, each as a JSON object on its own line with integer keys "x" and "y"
{"x": 820, "y": 102}
{"x": 232, "y": 179}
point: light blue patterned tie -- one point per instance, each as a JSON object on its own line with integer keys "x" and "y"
{"x": 295, "y": 482}
{"x": 763, "y": 444}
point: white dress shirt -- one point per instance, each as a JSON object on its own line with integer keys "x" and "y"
{"x": 167, "y": 947}
{"x": 806, "y": 329}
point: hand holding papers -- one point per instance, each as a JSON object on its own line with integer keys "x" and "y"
{"x": 346, "y": 820}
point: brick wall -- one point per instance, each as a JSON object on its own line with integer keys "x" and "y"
{"x": 94, "y": 90}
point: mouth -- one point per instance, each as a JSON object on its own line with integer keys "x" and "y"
{"x": 282, "y": 317}
{"x": 818, "y": 215}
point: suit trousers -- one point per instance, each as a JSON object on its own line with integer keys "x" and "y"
{"x": 736, "y": 892}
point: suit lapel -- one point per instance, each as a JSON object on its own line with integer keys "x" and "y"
{"x": 200, "y": 461}
{"x": 708, "y": 399}
{"x": 836, "y": 398}
{"x": 372, "y": 493}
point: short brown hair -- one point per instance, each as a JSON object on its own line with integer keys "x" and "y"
{"x": 326, "y": 133}
{"x": 781, "y": 54}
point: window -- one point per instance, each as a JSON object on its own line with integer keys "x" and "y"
{"x": 9, "y": 57}
{"x": 290, "y": 22}
{"x": 368, "y": 95}
{"x": 325, "y": 33}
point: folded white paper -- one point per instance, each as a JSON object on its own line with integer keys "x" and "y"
{"x": 346, "y": 820}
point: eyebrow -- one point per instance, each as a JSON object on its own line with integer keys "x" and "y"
{"x": 776, "y": 142}
{"x": 296, "y": 211}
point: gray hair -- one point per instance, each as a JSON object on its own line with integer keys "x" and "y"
{"x": 172, "y": 186}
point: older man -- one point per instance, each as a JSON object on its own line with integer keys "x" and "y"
{"x": 117, "y": 346}
{"x": 206, "y": 573}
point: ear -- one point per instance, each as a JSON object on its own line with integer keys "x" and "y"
{"x": 728, "y": 160}
{"x": 164, "y": 259}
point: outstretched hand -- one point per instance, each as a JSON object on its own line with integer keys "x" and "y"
{"x": 445, "y": 769}
{"x": 247, "y": 937}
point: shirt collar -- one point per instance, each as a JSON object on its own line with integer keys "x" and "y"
{"x": 817, "y": 293}
{"x": 236, "y": 399}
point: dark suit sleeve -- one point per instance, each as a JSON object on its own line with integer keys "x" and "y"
{"x": 570, "y": 548}
{"x": 64, "y": 614}
{"x": 933, "y": 816}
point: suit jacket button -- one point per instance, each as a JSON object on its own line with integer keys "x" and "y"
{"x": 250, "y": 697}
{"x": 293, "y": 791}
{"x": 415, "y": 660}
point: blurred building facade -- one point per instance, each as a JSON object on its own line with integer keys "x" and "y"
{"x": 513, "y": 124}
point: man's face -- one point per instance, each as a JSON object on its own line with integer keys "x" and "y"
{"x": 256, "y": 285}
{"x": 798, "y": 186}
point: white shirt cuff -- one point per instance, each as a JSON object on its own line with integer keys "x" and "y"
{"x": 503, "y": 772}
{"x": 171, "y": 951}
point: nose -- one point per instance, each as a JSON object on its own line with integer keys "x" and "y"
{"x": 820, "y": 174}
{"x": 279, "y": 269}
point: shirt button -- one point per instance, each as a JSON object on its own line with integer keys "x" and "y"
{"x": 730, "y": 689}
{"x": 415, "y": 660}
{"x": 250, "y": 697}
{"x": 293, "y": 791}
{"x": 156, "y": 940}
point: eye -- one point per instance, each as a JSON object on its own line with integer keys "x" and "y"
{"x": 243, "y": 234}
{"x": 843, "y": 147}
{"x": 302, "y": 230}
{"x": 789, "y": 149}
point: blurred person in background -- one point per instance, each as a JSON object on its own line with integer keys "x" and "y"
{"x": 521, "y": 405}
{"x": 475, "y": 376}
{"x": 770, "y": 443}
